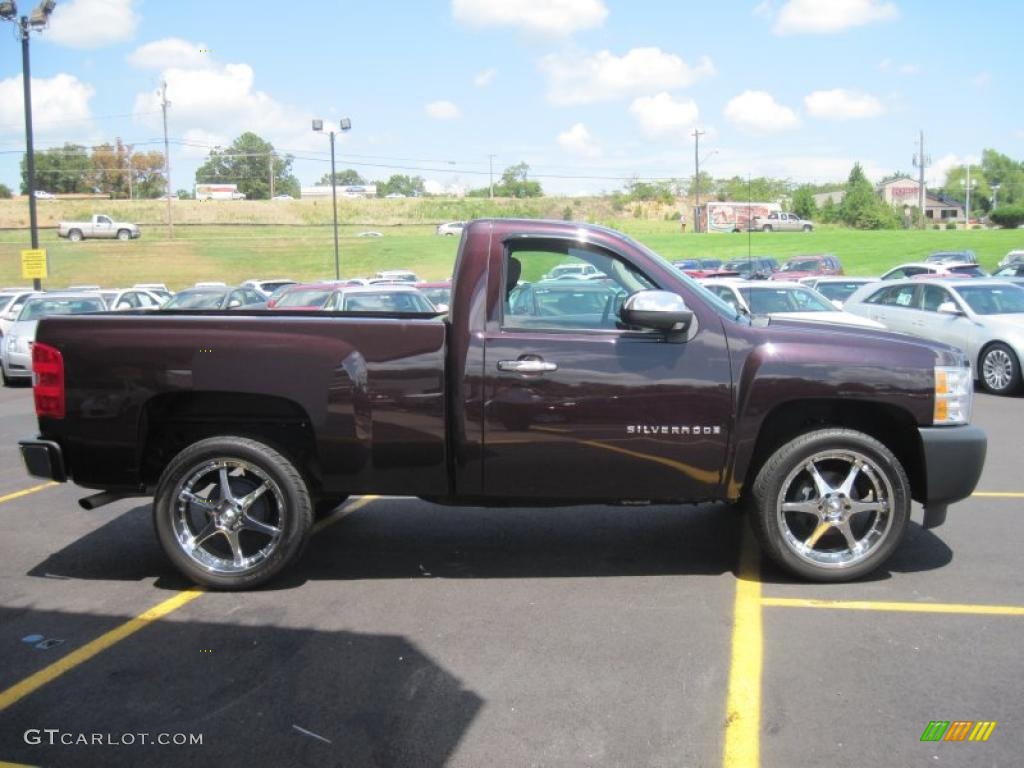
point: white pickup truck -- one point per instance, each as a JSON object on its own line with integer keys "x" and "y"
{"x": 100, "y": 226}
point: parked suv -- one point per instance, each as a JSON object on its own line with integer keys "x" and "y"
{"x": 952, "y": 257}
{"x": 754, "y": 268}
{"x": 777, "y": 221}
{"x": 1013, "y": 257}
{"x": 808, "y": 266}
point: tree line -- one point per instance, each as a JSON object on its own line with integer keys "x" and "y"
{"x": 113, "y": 169}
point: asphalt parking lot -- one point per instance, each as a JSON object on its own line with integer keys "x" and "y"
{"x": 418, "y": 635}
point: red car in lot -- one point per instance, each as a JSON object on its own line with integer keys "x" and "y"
{"x": 809, "y": 266}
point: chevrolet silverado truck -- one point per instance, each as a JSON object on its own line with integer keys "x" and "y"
{"x": 101, "y": 226}
{"x": 636, "y": 387}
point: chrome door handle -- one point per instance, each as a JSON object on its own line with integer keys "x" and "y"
{"x": 526, "y": 366}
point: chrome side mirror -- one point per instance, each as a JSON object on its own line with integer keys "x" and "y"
{"x": 949, "y": 308}
{"x": 658, "y": 310}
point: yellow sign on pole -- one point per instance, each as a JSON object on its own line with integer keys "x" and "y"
{"x": 33, "y": 263}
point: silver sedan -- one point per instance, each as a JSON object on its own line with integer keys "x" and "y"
{"x": 983, "y": 317}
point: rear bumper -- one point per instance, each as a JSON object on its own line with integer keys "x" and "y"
{"x": 953, "y": 460}
{"x": 43, "y": 458}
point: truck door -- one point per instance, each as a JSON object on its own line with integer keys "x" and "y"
{"x": 103, "y": 227}
{"x": 578, "y": 407}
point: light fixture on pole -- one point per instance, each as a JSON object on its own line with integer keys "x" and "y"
{"x": 995, "y": 193}
{"x": 37, "y": 21}
{"x": 343, "y": 125}
{"x": 968, "y": 184}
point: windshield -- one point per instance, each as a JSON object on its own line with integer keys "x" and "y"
{"x": 837, "y": 291}
{"x": 801, "y": 265}
{"x": 438, "y": 296}
{"x": 765, "y": 301}
{"x": 305, "y": 297}
{"x": 272, "y": 286}
{"x": 993, "y": 299}
{"x": 196, "y": 300}
{"x": 37, "y": 308}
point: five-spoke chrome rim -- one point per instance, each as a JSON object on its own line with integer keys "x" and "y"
{"x": 997, "y": 369}
{"x": 228, "y": 515}
{"x": 835, "y": 509}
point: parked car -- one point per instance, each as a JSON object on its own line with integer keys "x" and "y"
{"x": 42, "y": 194}
{"x": 370, "y": 233}
{"x": 984, "y": 318}
{"x": 573, "y": 271}
{"x": 828, "y": 434}
{"x": 241, "y": 297}
{"x": 268, "y": 287}
{"x": 754, "y": 268}
{"x": 778, "y": 221}
{"x": 131, "y": 298}
{"x": 11, "y": 307}
{"x": 1013, "y": 257}
{"x": 100, "y": 226}
{"x": 952, "y": 257}
{"x": 923, "y": 269}
{"x": 210, "y": 284}
{"x": 16, "y": 349}
{"x": 282, "y": 197}
{"x": 159, "y": 289}
{"x": 836, "y": 289}
{"x": 439, "y": 293}
{"x": 451, "y": 228}
{"x": 1012, "y": 270}
{"x": 777, "y": 299}
{"x": 391, "y": 297}
{"x": 561, "y": 302}
{"x": 397, "y": 276}
{"x": 806, "y": 266}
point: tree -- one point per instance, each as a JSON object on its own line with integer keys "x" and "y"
{"x": 148, "y": 174}
{"x": 398, "y": 184}
{"x": 5, "y": 192}
{"x": 862, "y": 208}
{"x": 829, "y": 212}
{"x": 1008, "y": 216}
{"x": 955, "y": 187}
{"x": 660, "y": 191}
{"x": 111, "y": 167}
{"x": 60, "y": 170}
{"x": 515, "y": 183}
{"x": 803, "y": 202}
{"x": 762, "y": 189}
{"x": 707, "y": 184}
{"x": 184, "y": 194}
{"x": 345, "y": 178}
{"x": 249, "y": 162}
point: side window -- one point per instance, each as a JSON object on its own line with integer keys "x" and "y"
{"x": 558, "y": 285}
{"x": 932, "y": 296}
{"x": 901, "y": 296}
{"x": 145, "y": 301}
{"x": 897, "y": 274}
{"x": 236, "y": 296}
{"x": 911, "y": 271}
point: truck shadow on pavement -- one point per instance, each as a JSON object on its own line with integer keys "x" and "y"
{"x": 259, "y": 695}
{"x": 407, "y": 538}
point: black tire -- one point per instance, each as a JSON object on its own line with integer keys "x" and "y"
{"x": 124, "y": 234}
{"x": 75, "y": 235}
{"x": 766, "y": 228}
{"x": 999, "y": 369}
{"x": 808, "y": 227}
{"x": 289, "y": 499}
{"x": 7, "y": 381}
{"x": 828, "y": 450}
{"x": 325, "y": 505}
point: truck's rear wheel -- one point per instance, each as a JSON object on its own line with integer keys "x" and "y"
{"x": 124, "y": 234}
{"x": 232, "y": 512}
{"x": 75, "y": 235}
{"x": 831, "y": 505}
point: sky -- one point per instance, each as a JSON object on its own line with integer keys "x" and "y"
{"x": 589, "y": 93}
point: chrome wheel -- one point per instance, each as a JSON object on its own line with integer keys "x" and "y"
{"x": 997, "y": 369}
{"x": 835, "y": 509}
{"x": 229, "y": 516}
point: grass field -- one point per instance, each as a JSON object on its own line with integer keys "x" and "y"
{"x": 305, "y": 251}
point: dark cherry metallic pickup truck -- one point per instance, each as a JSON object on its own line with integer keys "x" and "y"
{"x": 626, "y": 383}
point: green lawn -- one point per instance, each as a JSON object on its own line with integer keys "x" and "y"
{"x": 234, "y": 253}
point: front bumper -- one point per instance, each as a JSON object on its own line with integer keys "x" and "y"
{"x": 43, "y": 458}
{"x": 18, "y": 365}
{"x": 953, "y": 460}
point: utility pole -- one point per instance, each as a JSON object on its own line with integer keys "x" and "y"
{"x": 696, "y": 178}
{"x": 130, "y": 172}
{"x": 921, "y": 161}
{"x": 30, "y": 157}
{"x": 164, "y": 104}
{"x": 270, "y": 168}
{"x": 490, "y": 161}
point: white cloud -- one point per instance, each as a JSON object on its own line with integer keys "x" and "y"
{"x": 910, "y": 69}
{"x": 60, "y": 106}
{"x": 442, "y": 110}
{"x": 92, "y": 23}
{"x": 604, "y": 76}
{"x": 982, "y": 80}
{"x": 840, "y": 104}
{"x": 830, "y": 16}
{"x": 758, "y": 111}
{"x": 935, "y": 174}
{"x": 578, "y": 141}
{"x": 548, "y": 17}
{"x": 169, "y": 52}
{"x": 661, "y": 115}
{"x": 484, "y": 78}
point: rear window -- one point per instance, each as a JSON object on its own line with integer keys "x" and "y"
{"x": 837, "y": 291}
{"x": 305, "y": 298}
{"x": 37, "y": 308}
{"x": 387, "y": 302}
{"x": 197, "y": 300}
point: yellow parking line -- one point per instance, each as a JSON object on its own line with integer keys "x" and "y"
{"x": 743, "y": 701}
{"x": 997, "y": 495}
{"x": 26, "y": 492}
{"x": 870, "y": 605}
{"x": 48, "y": 674}
{"x": 5, "y": 764}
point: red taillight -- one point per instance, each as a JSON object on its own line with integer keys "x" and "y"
{"x": 48, "y": 380}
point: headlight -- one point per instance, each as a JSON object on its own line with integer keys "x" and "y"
{"x": 12, "y": 343}
{"x": 954, "y": 394}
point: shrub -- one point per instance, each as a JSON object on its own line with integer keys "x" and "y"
{"x": 936, "y": 226}
{"x": 567, "y": 213}
{"x": 5, "y": 192}
{"x": 1008, "y": 216}
{"x": 950, "y": 225}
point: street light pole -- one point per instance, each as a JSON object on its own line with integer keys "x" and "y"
{"x": 30, "y": 159}
{"x": 334, "y": 206}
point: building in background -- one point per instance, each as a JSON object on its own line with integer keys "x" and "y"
{"x": 902, "y": 193}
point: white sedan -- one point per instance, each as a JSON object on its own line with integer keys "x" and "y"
{"x": 779, "y": 299}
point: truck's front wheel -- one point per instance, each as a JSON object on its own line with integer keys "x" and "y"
{"x": 124, "y": 234}
{"x": 831, "y": 505}
{"x": 232, "y": 512}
